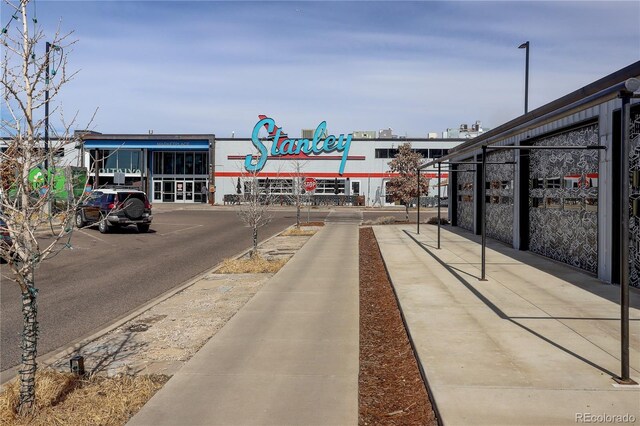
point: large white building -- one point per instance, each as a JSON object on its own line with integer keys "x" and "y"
{"x": 173, "y": 168}
{"x": 366, "y": 170}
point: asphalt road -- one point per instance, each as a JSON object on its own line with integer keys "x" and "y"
{"x": 105, "y": 276}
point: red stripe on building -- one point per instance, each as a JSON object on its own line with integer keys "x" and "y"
{"x": 323, "y": 175}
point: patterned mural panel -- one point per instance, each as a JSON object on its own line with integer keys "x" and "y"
{"x": 499, "y": 207}
{"x": 563, "y": 199}
{"x": 465, "y": 197}
{"x": 634, "y": 195}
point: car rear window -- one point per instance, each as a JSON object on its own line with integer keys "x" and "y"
{"x": 108, "y": 198}
{"x": 127, "y": 195}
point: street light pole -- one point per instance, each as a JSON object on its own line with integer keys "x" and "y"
{"x": 525, "y": 46}
{"x": 631, "y": 85}
{"x": 46, "y": 107}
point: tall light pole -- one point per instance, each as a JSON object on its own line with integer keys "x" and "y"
{"x": 48, "y": 74}
{"x": 525, "y": 46}
{"x": 631, "y": 86}
{"x": 46, "y": 108}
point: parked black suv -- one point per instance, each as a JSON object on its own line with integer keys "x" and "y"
{"x": 111, "y": 208}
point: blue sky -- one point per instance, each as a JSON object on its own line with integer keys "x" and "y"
{"x": 418, "y": 67}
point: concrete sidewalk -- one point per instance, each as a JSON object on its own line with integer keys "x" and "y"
{"x": 535, "y": 344}
{"x": 289, "y": 356}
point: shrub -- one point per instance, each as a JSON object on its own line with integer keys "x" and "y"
{"x": 433, "y": 220}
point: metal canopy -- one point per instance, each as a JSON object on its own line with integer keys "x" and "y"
{"x": 623, "y": 230}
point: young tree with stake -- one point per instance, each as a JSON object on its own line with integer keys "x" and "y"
{"x": 404, "y": 187}
{"x": 255, "y": 210}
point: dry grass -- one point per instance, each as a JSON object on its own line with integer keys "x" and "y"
{"x": 64, "y": 399}
{"x": 252, "y": 265}
{"x": 298, "y": 232}
{"x": 383, "y": 220}
{"x": 433, "y": 220}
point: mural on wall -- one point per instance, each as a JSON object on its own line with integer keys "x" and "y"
{"x": 499, "y": 196}
{"x": 563, "y": 199}
{"x": 634, "y": 195}
{"x": 465, "y": 197}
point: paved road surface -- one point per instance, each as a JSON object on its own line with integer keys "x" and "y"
{"x": 107, "y": 276}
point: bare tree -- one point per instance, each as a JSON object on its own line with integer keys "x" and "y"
{"x": 404, "y": 187}
{"x": 255, "y": 209}
{"x": 298, "y": 192}
{"x": 30, "y": 175}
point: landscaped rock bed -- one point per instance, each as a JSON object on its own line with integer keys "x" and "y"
{"x": 391, "y": 390}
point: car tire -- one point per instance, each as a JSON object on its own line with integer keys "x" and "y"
{"x": 133, "y": 208}
{"x": 103, "y": 226}
{"x": 80, "y": 222}
{"x": 143, "y": 227}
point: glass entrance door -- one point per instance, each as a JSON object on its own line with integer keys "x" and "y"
{"x": 184, "y": 191}
{"x": 188, "y": 191}
{"x": 168, "y": 191}
{"x": 179, "y": 191}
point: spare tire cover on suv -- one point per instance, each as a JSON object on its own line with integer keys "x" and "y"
{"x": 133, "y": 208}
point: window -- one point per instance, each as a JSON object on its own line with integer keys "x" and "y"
{"x": 179, "y": 163}
{"x": 537, "y": 203}
{"x": 572, "y": 181}
{"x": 553, "y": 182}
{"x": 553, "y": 203}
{"x": 536, "y": 183}
{"x": 168, "y": 163}
{"x": 436, "y": 153}
{"x": 199, "y": 164}
{"x": 188, "y": 163}
{"x": 382, "y": 153}
{"x": 110, "y": 160}
{"x": 573, "y": 204}
{"x": 136, "y": 164}
{"x": 157, "y": 163}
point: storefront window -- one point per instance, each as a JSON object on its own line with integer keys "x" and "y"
{"x": 110, "y": 160}
{"x": 179, "y": 163}
{"x": 136, "y": 164}
{"x": 168, "y": 166}
{"x": 188, "y": 163}
{"x": 199, "y": 163}
{"x": 157, "y": 163}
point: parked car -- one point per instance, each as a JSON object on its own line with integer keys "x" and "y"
{"x": 111, "y": 208}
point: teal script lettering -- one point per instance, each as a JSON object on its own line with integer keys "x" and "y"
{"x": 282, "y": 146}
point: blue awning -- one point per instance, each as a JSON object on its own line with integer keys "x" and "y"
{"x": 157, "y": 145}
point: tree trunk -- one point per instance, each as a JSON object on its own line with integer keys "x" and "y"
{"x": 406, "y": 211}
{"x": 255, "y": 242}
{"x": 299, "y": 205}
{"x": 29, "y": 348}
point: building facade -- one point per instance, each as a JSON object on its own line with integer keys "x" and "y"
{"x": 175, "y": 168}
{"x": 366, "y": 173}
{"x": 170, "y": 168}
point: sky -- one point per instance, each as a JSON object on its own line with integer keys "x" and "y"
{"x": 417, "y": 67}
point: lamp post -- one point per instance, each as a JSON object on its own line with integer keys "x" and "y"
{"x": 525, "y": 46}
{"x": 46, "y": 107}
{"x": 631, "y": 86}
{"x": 48, "y": 73}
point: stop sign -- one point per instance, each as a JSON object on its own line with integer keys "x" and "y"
{"x": 310, "y": 184}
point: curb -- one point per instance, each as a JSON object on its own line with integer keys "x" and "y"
{"x": 56, "y": 354}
